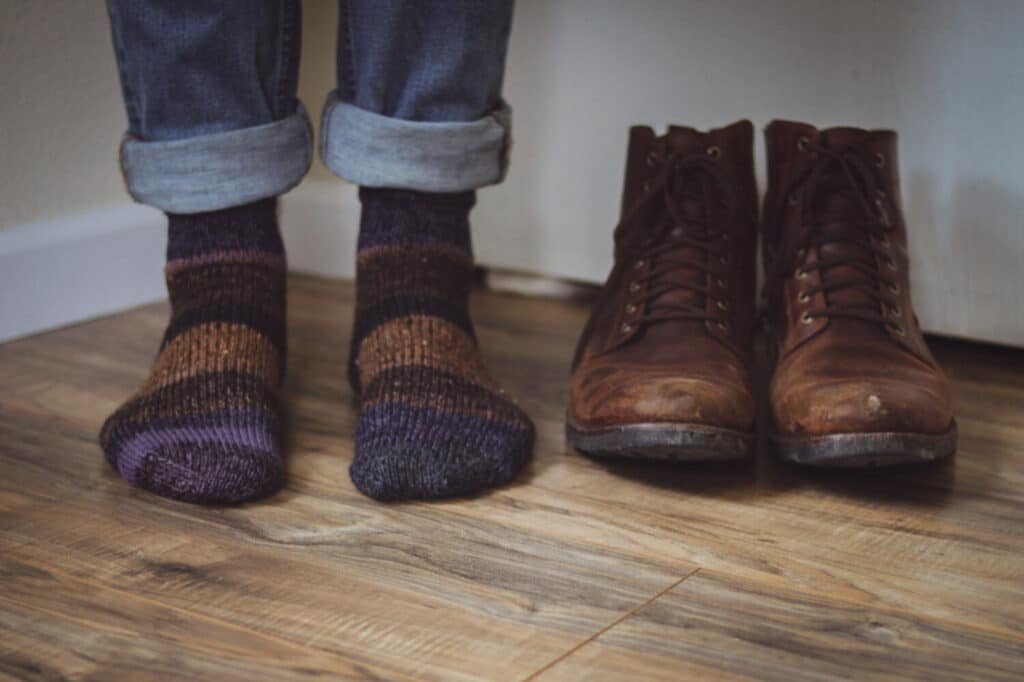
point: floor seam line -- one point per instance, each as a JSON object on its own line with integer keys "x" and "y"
{"x": 632, "y": 612}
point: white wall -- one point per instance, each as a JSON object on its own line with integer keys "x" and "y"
{"x": 948, "y": 74}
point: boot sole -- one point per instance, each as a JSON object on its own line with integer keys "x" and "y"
{"x": 866, "y": 449}
{"x": 661, "y": 441}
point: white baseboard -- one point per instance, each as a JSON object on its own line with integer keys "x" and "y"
{"x": 81, "y": 266}
{"x": 533, "y": 285}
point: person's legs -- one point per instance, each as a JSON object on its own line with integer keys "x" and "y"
{"x": 215, "y": 134}
{"x": 418, "y": 121}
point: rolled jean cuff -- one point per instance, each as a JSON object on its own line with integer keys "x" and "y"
{"x": 219, "y": 170}
{"x": 372, "y": 150}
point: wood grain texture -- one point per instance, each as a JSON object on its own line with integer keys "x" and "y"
{"x": 714, "y": 625}
{"x": 577, "y": 570}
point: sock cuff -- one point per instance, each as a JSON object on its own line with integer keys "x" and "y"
{"x": 457, "y": 201}
{"x": 393, "y": 217}
{"x": 247, "y": 228}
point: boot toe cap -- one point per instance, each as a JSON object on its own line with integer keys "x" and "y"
{"x": 820, "y": 406}
{"x": 608, "y": 396}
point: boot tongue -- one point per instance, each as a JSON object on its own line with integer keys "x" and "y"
{"x": 691, "y": 196}
{"x": 690, "y": 205}
{"x": 842, "y": 137}
{"x": 682, "y": 136}
{"x": 840, "y": 212}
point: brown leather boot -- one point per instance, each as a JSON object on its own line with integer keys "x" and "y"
{"x": 661, "y": 370}
{"x": 854, "y": 383}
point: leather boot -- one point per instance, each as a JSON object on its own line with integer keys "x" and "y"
{"x": 661, "y": 370}
{"x": 854, "y": 383}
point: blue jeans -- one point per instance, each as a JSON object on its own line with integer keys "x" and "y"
{"x": 214, "y": 121}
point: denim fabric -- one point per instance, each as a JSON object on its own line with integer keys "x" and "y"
{"x": 196, "y": 67}
{"x": 219, "y": 170}
{"x": 380, "y": 151}
{"x": 210, "y": 91}
{"x": 423, "y": 61}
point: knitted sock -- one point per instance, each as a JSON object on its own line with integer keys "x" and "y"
{"x": 205, "y": 427}
{"x": 432, "y": 421}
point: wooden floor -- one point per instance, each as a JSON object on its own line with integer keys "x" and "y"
{"x": 577, "y": 571}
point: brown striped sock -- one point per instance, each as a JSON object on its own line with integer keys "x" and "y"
{"x": 432, "y": 422}
{"x": 205, "y": 426}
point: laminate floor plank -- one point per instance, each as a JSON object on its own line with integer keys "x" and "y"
{"x": 714, "y": 626}
{"x": 778, "y": 571}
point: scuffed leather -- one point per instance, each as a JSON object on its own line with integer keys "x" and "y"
{"x": 843, "y": 383}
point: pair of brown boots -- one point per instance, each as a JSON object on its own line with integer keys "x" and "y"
{"x": 663, "y": 368}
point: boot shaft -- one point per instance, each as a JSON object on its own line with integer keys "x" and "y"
{"x": 677, "y": 186}
{"x": 834, "y": 237}
{"x": 791, "y": 157}
{"x": 732, "y": 147}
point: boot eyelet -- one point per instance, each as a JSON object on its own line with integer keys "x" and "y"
{"x": 652, "y": 159}
{"x": 806, "y": 319}
{"x": 722, "y": 305}
{"x": 801, "y": 254}
{"x": 720, "y": 283}
{"x": 725, "y": 260}
{"x": 891, "y": 264}
{"x": 803, "y": 297}
{"x": 898, "y": 331}
{"x": 639, "y": 264}
{"x": 647, "y": 186}
{"x": 880, "y": 194}
{"x": 880, "y": 160}
{"x": 800, "y": 273}
{"x": 895, "y": 311}
{"x": 626, "y": 328}
{"x": 676, "y": 232}
{"x": 794, "y": 199}
{"x": 723, "y": 325}
{"x": 884, "y": 242}
{"x": 714, "y": 152}
{"x": 802, "y": 144}
{"x": 630, "y": 308}
{"x": 894, "y": 289}
{"x": 883, "y": 213}
{"x": 634, "y": 287}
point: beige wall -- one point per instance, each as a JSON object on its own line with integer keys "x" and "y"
{"x": 61, "y": 115}
{"x": 317, "y": 73}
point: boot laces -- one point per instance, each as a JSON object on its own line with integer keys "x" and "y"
{"x": 837, "y": 169}
{"x": 681, "y": 178}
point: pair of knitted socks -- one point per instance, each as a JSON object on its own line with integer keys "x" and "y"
{"x": 206, "y": 426}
